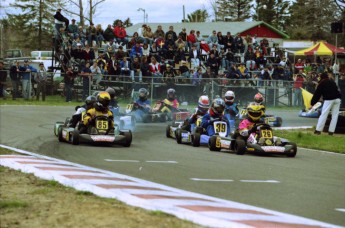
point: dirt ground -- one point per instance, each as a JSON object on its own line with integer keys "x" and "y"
{"x": 26, "y": 201}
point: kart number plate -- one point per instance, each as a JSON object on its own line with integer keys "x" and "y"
{"x": 178, "y": 116}
{"x": 266, "y": 134}
{"x": 243, "y": 112}
{"x": 129, "y": 107}
{"x": 102, "y": 138}
{"x": 220, "y": 127}
{"x": 218, "y": 142}
{"x": 102, "y": 124}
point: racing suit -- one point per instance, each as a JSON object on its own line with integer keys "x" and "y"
{"x": 144, "y": 107}
{"x": 190, "y": 122}
{"x": 230, "y": 113}
{"x": 209, "y": 118}
{"x": 77, "y": 116}
{"x": 93, "y": 113}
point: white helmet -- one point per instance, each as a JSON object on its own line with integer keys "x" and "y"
{"x": 229, "y": 96}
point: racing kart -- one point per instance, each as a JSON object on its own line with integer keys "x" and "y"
{"x": 314, "y": 112}
{"x": 260, "y": 141}
{"x": 99, "y": 131}
{"x": 122, "y": 120}
{"x": 178, "y": 119}
{"x": 198, "y": 135}
{"x": 141, "y": 114}
{"x": 272, "y": 120}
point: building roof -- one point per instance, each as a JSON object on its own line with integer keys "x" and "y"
{"x": 206, "y": 28}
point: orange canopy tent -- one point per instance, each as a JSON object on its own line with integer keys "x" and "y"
{"x": 321, "y": 48}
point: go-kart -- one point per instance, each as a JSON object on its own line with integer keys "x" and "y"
{"x": 314, "y": 112}
{"x": 141, "y": 114}
{"x": 272, "y": 120}
{"x": 260, "y": 141}
{"x": 122, "y": 120}
{"x": 198, "y": 135}
{"x": 178, "y": 119}
{"x": 99, "y": 131}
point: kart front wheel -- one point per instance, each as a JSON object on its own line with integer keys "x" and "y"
{"x": 128, "y": 138}
{"x": 167, "y": 131}
{"x": 293, "y": 151}
{"x": 60, "y": 134}
{"x": 178, "y": 134}
{"x": 75, "y": 137}
{"x": 279, "y": 121}
{"x": 196, "y": 140}
{"x": 240, "y": 147}
{"x": 212, "y": 142}
{"x": 56, "y": 127}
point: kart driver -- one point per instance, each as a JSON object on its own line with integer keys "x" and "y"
{"x": 201, "y": 110}
{"x": 254, "y": 113}
{"x": 171, "y": 100}
{"x": 215, "y": 113}
{"x": 113, "y": 105}
{"x": 231, "y": 109}
{"x": 259, "y": 99}
{"x": 144, "y": 105}
{"x": 101, "y": 108}
{"x": 80, "y": 110}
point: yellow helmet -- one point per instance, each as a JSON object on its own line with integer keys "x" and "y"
{"x": 255, "y": 111}
{"x": 102, "y": 100}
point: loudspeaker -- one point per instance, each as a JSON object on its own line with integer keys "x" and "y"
{"x": 337, "y": 27}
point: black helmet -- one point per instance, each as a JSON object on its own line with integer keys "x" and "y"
{"x": 111, "y": 92}
{"x": 89, "y": 101}
{"x": 218, "y": 106}
{"x": 143, "y": 93}
{"x": 103, "y": 100}
{"x": 171, "y": 94}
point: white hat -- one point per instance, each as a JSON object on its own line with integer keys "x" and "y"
{"x": 78, "y": 44}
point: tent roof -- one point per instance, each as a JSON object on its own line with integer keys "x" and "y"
{"x": 321, "y": 48}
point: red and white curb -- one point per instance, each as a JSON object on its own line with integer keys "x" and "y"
{"x": 198, "y": 208}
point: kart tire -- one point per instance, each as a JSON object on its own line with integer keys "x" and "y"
{"x": 199, "y": 130}
{"x": 293, "y": 154}
{"x": 196, "y": 140}
{"x": 128, "y": 136}
{"x": 178, "y": 134}
{"x": 56, "y": 129}
{"x": 240, "y": 147}
{"x": 279, "y": 122}
{"x": 60, "y": 134}
{"x": 167, "y": 131}
{"x": 68, "y": 119}
{"x": 75, "y": 137}
{"x": 163, "y": 118}
{"x": 212, "y": 143}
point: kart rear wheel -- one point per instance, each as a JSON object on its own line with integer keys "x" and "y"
{"x": 240, "y": 147}
{"x": 178, "y": 134}
{"x": 60, "y": 134}
{"x": 279, "y": 122}
{"x": 196, "y": 140}
{"x": 128, "y": 136}
{"x": 294, "y": 147}
{"x": 75, "y": 137}
{"x": 56, "y": 129}
{"x": 212, "y": 143}
{"x": 199, "y": 130}
{"x": 167, "y": 131}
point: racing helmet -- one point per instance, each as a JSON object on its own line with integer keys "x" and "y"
{"x": 258, "y": 98}
{"x": 203, "y": 104}
{"x": 229, "y": 97}
{"x": 102, "y": 101}
{"x": 89, "y": 101}
{"x": 218, "y": 106}
{"x": 143, "y": 93}
{"x": 171, "y": 94}
{"x": 254, "y": 111}
{"x": 111, "y": 92}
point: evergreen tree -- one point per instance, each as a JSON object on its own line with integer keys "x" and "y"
{"x": 33, "y": 28}
{"x": 198, "y": 16}
{"x": 235, "y": 10}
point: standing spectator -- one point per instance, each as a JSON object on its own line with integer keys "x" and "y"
{"x": 342, "y": 89}
{"x": 108, "y": 33}
{"x": 331, "y": 102}
{"x": 41, "y": 80}
{"x": 60, "y": 20}
{"x": 335, "y": 69}
{"x": 297, "y": 85}
{"x": 72, "y": 30}
{"x": 86, "y": 75}
{"x": 26, "y": 79}
{"x": 69, "y": 83}
{"x": 14, "y": 74}
{"x": 120, "y": 33}
{"x": 299, "y": 66}
{"x": 3, "y": 77}
{"x": 96, "y": 73}
{"x": 99, "y": 34}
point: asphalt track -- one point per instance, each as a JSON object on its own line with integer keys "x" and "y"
{"x": 310, "y": 185}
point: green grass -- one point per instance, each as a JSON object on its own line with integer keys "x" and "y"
{"x": 12, "y": 204}
{"x": 307, "y": 139}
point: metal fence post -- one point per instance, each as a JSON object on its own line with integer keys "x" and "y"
{"x": 151, "y": 89}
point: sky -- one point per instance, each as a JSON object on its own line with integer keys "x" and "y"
{"x": 157, "y": 10}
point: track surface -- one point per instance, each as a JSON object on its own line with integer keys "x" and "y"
{"x": 310, "y": 185}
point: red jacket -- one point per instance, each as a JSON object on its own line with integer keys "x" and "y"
{"x": 120, "y": 32}
{"x": 191, "y": 38}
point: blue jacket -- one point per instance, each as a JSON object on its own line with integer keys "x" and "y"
{"x": 135, "y": 51}
{"x": 145, "y": 104}
{"x": 232, "y": 110}
{"x": 26, "y": 75}
{"x": 207, "y": 123}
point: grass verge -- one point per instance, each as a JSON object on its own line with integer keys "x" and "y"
{"x": 306, "y": 138}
